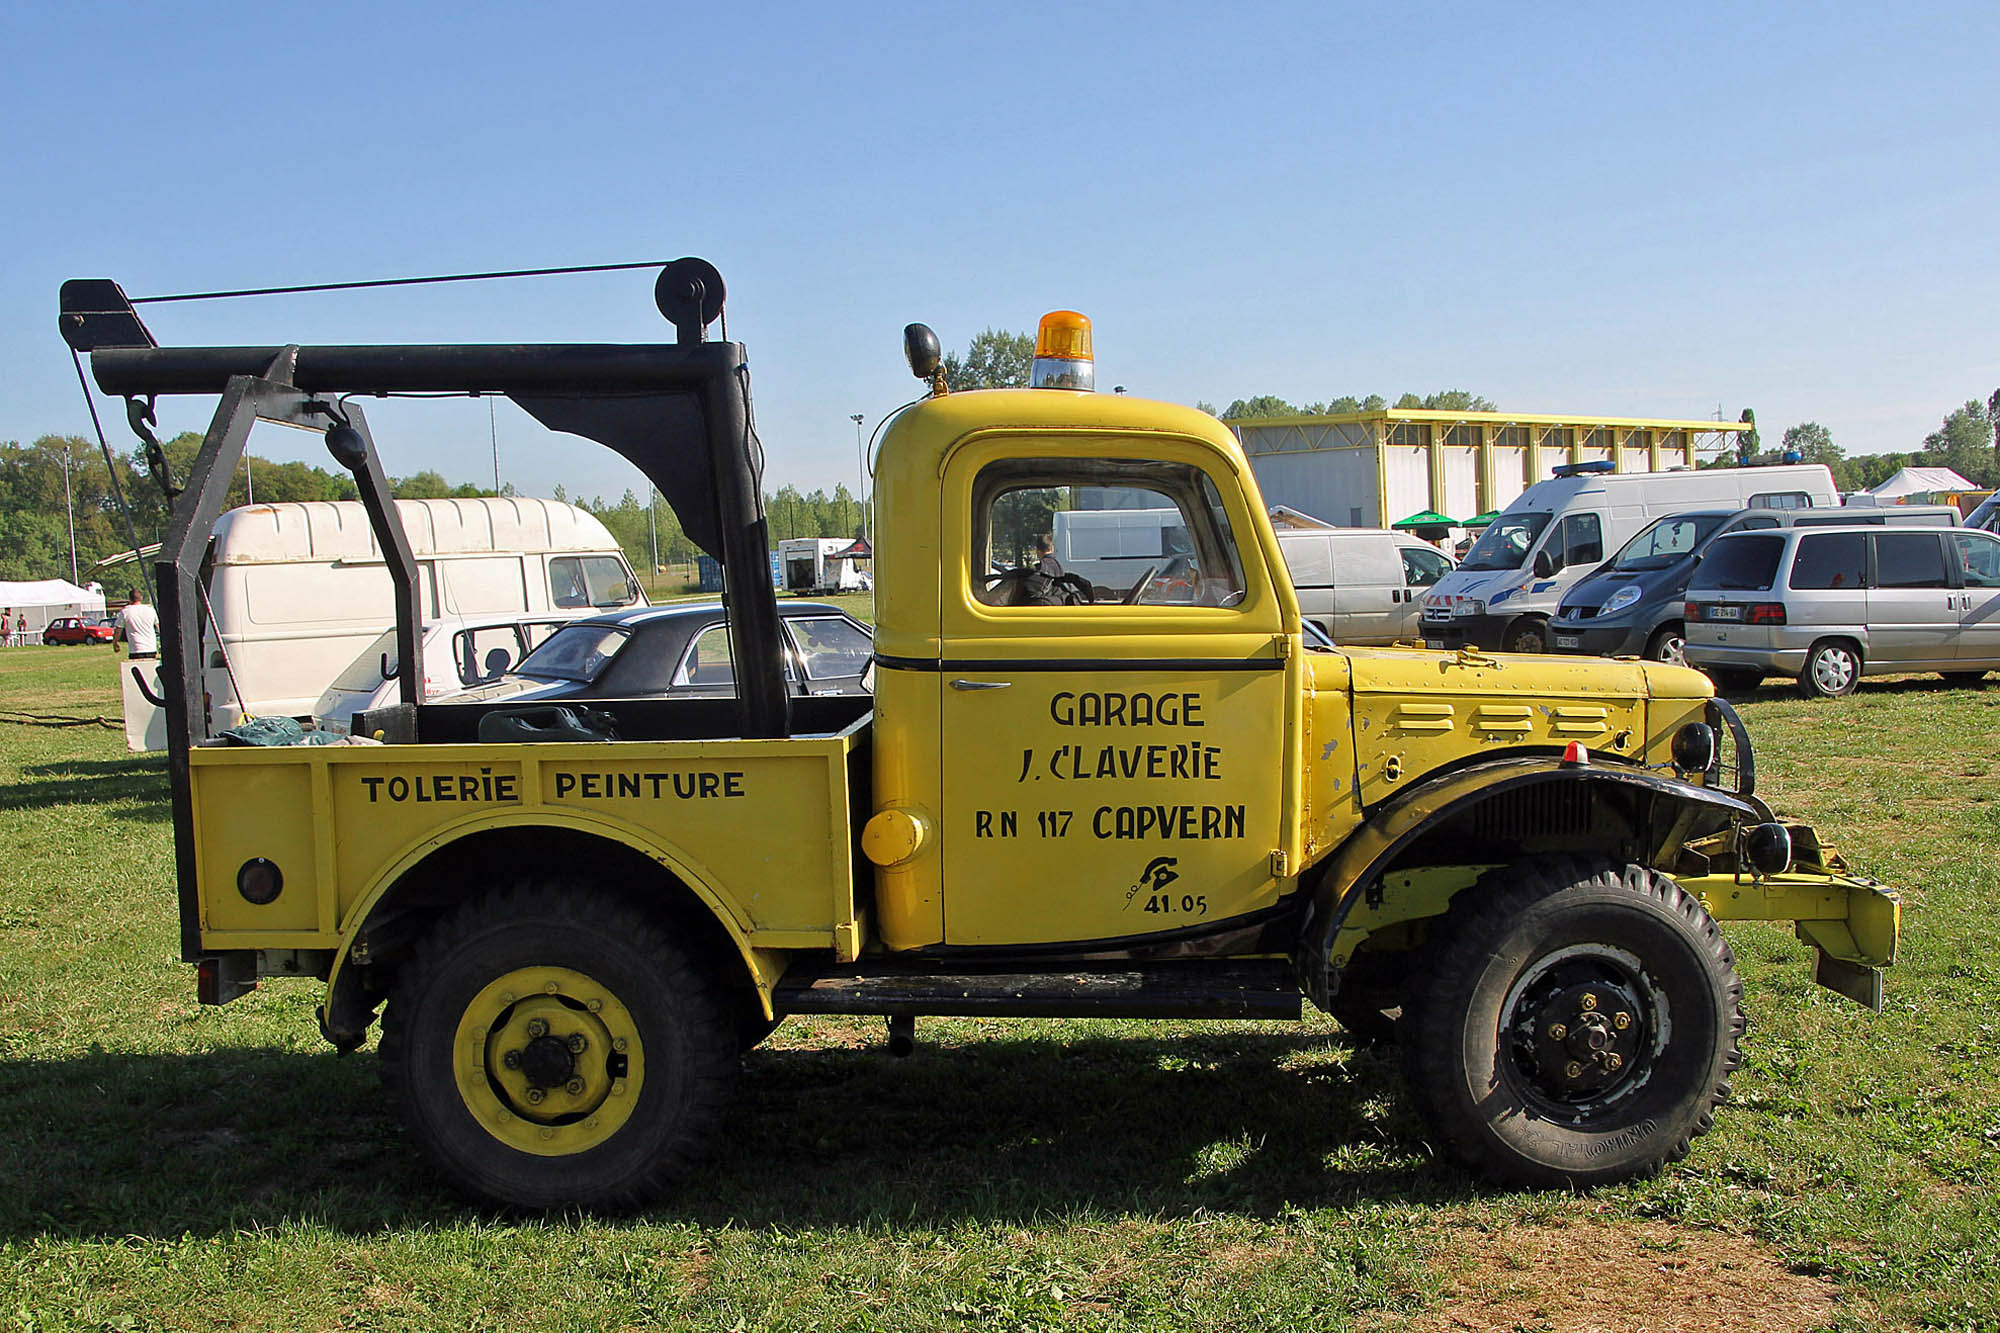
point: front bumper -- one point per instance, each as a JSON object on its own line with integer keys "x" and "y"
{"x": 1465, "y": 631}
{"x": 1597, "y": 640}
{"x": 1853, "y": 922}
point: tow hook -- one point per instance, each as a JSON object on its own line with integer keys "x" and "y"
{"x": 902, "y": 1035}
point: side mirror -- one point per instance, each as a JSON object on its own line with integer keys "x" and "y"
{"x": 1545, "y": 564}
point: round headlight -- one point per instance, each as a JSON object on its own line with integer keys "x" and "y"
{"x": 260, "y": 881}
{"x": 1694, "y": 747}
{"x": 1768, "y": 848}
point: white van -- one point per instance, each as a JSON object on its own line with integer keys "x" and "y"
{"x": 1557, "y": 531}
{"x": 299, "y": 590}
{"x": 1361, "y": 585}
{"x": 1113, "y": 547}
{"x": 458, "y": 653}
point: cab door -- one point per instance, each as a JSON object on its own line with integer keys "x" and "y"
{"x": 1913, "y": 610}
{"x": 1114, "y": 766}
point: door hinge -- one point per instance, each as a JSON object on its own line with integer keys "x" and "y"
{"x": 1283, "y": 643}
{"x": 1280, "y": 865}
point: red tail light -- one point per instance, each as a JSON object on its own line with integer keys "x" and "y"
{"x": 1691, "y": 610}
{"x": 1766, "y": 613}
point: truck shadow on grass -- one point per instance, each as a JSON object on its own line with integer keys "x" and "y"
{"x": 135, "y": 787}
{"x": 1004, "y": 1129}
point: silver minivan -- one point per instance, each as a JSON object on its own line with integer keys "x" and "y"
{"x": 1361, "y": 585}
{"x": 1828, "y": 606}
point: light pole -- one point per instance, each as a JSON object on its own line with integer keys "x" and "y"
{"x": 861, "y": 457}
{"x": 69, "y": 511}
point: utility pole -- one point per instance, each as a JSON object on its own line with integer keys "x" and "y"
{"x": 861, "y": 453}
{"x": 653, "y": 524}
{"x": 493, "y": 432}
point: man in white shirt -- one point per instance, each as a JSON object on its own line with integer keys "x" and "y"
{"x": 139, "y": 626}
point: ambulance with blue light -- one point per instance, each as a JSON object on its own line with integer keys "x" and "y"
{"x": 1064, "y": 798}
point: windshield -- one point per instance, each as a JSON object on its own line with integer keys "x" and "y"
{"x": 1505, "y": 544}
{"x": 576, "y": 652}
{"x": 1666, "y": 541}
{"x": 365, "y": 672}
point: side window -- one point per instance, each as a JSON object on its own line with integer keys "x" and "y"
{"x": 830, "y": 646}
{"x": 1781, "y": 500}
{"x": 1978, "y": 559}
{"x": 1908, "y": 560}
{"x": 1830, "y": 560}
{"x": 1422, "y": 568}
{"x": 1100, "y": 532}
{"x": 1756, "y": 521}
{"x": 486, "y": 653}
{"x": 1583, "y": 540}
{"x": 578, "y": 581}
{"x": 707, "y": 661}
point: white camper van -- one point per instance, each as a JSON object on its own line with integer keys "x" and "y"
{"x": 1512, "y": 579}
{"x": 1113, "y": 547}
{"x": 810, "y": 569}
{"x": 299, "y": 590}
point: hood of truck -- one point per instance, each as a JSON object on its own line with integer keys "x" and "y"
{"x": 1416, "y": 710}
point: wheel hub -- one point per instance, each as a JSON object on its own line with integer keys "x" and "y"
{"x": 547, "y": 1062}
{"x": 1581, "y": 1040}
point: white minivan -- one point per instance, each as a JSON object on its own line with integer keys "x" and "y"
{"x": 1361, "y": 585}
{"x": 297, "y": 591}
{"x": 1512, "y": 579}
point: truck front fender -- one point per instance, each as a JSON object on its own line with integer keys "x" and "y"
{"x": 1634, "y": 814}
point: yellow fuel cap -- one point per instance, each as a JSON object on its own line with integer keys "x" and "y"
{"x": 893, "y": 837}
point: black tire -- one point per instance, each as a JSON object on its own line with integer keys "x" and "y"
{"x": 1734, "y": 680}
{"x": 752, "y": 1028}
{"x": 587, "y": 969}
{"x": 1668, "y": 644}
{"x": 1576, "y": 942}
{"x": 1832, "y": 669}
{"x": 1526, "y": 635}
{"x": 1964, "y": 680}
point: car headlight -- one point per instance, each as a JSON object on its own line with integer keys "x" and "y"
{"x": 1621, "y": 599}
{"x": 1469, "y": 606}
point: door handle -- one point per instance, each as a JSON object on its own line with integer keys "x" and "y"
{"x": 981, "y": 684}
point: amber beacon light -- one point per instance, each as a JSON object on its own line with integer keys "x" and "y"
{"x": 1062, "y": 352}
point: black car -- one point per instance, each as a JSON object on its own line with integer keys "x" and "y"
{"x": 679, "y": 651}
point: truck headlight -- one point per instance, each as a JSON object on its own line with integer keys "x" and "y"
{"x": 1470, "y": 606}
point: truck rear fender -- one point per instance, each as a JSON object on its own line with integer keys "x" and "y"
{"x": 1424, "y": 845}
{"x": 456, "y": 865}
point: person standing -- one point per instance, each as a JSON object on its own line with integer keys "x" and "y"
{"x": 139, "y": 626}
{"x": 7, "y": 627}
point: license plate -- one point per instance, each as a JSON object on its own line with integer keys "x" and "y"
{"x": 1568, "y": 641}
{"x": 1725, "y": 613}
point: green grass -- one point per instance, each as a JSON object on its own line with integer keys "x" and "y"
{"x": 167, "y": 1166}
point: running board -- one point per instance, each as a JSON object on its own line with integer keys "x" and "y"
{"x": 1257, "y": 988}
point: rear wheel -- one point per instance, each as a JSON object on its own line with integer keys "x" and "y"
{"x": 1526, "y": 635}
{"x": 1668, "y": 644}
{"x": 548, "y": 1047}
{"x": 1575, "y": 1024}
{"x": 1832, "y": 669}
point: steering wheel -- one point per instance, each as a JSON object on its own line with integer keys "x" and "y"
{"x": 988, "y": 582}
{"x": 1084, "y": 594}
{"x": 1145, "y": 582}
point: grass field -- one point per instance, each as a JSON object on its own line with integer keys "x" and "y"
{"x": 166, "y": 1166}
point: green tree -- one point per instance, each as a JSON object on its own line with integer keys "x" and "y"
{"x": 1964, "y": 443}
{"x": 1263, "y": 405}
{"x": 1458, "y": 400}
{"x": 1813, "y": 442}
{"x": 995, "y": 359}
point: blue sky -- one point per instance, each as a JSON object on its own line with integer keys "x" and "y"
{"x": 1634, "y": 211}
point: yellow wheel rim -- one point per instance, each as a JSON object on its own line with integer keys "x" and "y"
{"x": 548, "y": 1061}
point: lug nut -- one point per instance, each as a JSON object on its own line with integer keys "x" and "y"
{"x": 574, "y": 1087}
{"x": 534, "y": 1096}
{"x": 1588, "y": 1002}
{"x": 537, "y": 1028}
{"x": 512, "y": 1059}
{"x": 595, "y": 1006}
{"x": 1613, "y": 1061}
{"x": 618, "y": 1045}
{"x": 577, "y": 1043}
{"x": 1557, "y": 1032}
{"x": 1575, "y": 1070}
{"x": 1621, "y": 1020}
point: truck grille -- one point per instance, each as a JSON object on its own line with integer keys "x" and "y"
{"x": 1577, "y": 612}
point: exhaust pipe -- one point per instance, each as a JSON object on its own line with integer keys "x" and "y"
{"x": 902, "y": 1035}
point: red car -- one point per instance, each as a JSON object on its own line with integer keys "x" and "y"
{"x": 75, "y": 629}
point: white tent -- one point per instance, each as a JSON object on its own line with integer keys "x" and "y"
{"x": 1918, "y": 481}
{"x": 42, "y": 600}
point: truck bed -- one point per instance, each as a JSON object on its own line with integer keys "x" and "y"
{"x": 344, "y": 823}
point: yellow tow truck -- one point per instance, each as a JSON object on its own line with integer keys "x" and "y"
{"x": 1138, "y": 793}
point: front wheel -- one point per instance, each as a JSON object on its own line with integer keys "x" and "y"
{"x": 1526, "y": 635}
{"x": 1668, "y": 644}
{"x": 1575, "y": 1024}
{"x": 549, "y": 1047}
